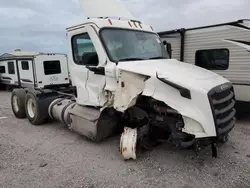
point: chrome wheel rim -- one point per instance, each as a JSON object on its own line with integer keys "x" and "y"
{"x": 31, "y": 108}
{"x": 15, "y": 103}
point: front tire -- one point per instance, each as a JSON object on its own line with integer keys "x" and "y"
{"x": 18, "y": 103}
{"x": 224, "y": 139}
{"x": 35, "y": 109}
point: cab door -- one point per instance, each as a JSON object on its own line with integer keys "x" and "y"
{"x": 26, "y": 73}
{"x": 87, "y": 54}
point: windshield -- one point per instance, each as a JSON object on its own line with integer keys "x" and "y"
{"x": 128, "y": 45}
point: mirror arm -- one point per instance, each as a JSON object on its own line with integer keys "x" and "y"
{"x": 97, "y": 70}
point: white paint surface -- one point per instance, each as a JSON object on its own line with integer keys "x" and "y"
{"x": 129, "y": 87}
{"x": 51, "y": 79}
{"x": 198, "y": 81}
{"x": 180, "y": 73}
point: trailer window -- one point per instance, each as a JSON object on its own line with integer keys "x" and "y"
{"x": 52, "y": 67}
{"x": 25, "y": 65}
{"x": 213, "y": 59}
{"x": 11, "y": 67}
{"x": 82, "y": 45}
{"x": 2, "y": 69}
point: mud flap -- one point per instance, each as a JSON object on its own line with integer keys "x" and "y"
{"x": 198, "y": 146}
{"x": 214, "y": 150}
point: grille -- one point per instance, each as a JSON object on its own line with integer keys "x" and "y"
{"x": 222, "y": 101}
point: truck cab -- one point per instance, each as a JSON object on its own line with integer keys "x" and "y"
{"x": 97, "y": 47}
{"x": 114, "y": 63}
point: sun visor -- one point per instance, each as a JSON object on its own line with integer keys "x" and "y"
{"x": 105, "y": 8}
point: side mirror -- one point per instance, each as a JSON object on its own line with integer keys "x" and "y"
{"x": 168, "y": 48}
{"x": 90, "y": 58}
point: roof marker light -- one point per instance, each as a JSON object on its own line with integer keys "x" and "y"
{"x": 110, "y": 21}
{"x": 130, "y": 24}
{"x": 140, "y": 25}
{"x": 152, "y": 28}
{"x": 135, "y": 24}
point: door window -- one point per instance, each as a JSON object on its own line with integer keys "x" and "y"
{"x": 11, "y": 67}
{"x": 52, "y": 67}
{"x": 213, "y": 59}
{"x": 25, "y": 65}
{"x": 84, "y": 52}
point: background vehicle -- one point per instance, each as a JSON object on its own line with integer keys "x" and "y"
{"x": 34, "y": 70}
{"x": 223, "y": 48}
{"x": 124, "y": 81}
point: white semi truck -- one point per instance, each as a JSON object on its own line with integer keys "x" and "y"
{"x": 124, "y": 82}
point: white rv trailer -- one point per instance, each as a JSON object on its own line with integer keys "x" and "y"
{"x": 222, "y": 48}
{"x": 123, "y": 80}
{"x": 37, "y": 70}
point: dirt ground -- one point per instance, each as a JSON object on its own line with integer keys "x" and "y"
{"x": 52, "y": 156}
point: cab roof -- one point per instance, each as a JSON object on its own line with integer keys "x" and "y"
{"x": 113, "y": 23}
{"x": 109, "y": 13}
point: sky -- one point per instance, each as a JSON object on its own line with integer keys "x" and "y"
{"x": 39, "y": 25}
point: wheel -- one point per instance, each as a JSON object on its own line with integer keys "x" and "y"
{"x": 128, "y": 142}
{"x": 224, "y": 139}
{"x": 9, "y": 88}
{"x": 36, "y": 109}
{"x": 18, "y": 102}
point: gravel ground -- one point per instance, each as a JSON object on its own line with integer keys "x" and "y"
{"x": 51, "y": 156}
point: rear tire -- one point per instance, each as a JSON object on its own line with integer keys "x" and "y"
{"x": 18, "y": 103}
{"x": 36, "y": 109}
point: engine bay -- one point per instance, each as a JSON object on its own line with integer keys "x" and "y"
{"x": 157, "y": 122}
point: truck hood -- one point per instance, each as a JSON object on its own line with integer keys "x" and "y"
{"x": 175, "y": 71}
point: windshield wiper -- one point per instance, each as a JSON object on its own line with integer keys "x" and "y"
{"x": 131, "y": 59}
{"x": 159, "y": 57}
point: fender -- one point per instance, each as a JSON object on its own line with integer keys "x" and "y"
{"x": 197, "y": 116}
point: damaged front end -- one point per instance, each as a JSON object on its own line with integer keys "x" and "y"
{"x": 156, "y": 110}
